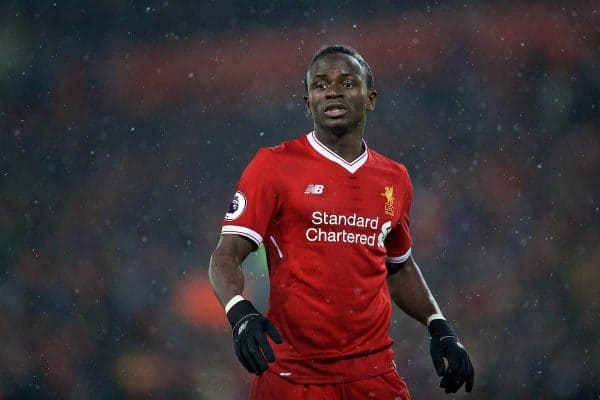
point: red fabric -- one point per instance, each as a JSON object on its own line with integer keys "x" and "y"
{"x": 323, "y": 228}
{"x": 389, "y": 386}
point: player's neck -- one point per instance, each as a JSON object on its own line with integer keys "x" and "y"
{"x": 348, "y": 145}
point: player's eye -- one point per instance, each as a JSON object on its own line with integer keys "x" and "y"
{"x": 321, "y": 85}
{"x": 348, "y": 84}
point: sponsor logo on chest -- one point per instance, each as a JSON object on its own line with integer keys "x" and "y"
{"x": 352, "y": 228}
{"x": 347, "y": 228}
{"x": 313, "y": 188}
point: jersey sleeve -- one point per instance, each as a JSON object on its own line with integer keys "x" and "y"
{"x": 255, "y": 200}
{"x": 399, "y": 241}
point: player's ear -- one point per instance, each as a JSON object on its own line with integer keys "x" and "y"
{"x": 372, "y": 100}
{"x": 307, "y": 111}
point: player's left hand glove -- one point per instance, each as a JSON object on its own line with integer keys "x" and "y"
{"x": 444, "y": 344}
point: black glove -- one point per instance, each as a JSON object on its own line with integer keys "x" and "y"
{"x": 444, "y": 344}
{"x": 249, "y": 339}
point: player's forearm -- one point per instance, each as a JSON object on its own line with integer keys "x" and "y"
{"x": 410, "y": 292}
{"x": 226, "y": 277}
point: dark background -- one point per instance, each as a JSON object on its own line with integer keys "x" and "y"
{"x": 125, "y": 126}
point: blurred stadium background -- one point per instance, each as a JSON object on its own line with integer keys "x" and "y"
{"x": 125, "y": 125}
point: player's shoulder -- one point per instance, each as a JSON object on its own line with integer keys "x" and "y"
{"x": 387, "y": 163}
{"x": 289, "y": 147}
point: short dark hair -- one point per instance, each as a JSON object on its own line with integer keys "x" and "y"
{"x": 342, "y": 49}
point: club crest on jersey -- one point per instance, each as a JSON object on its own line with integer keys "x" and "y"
{"x": 314, "y": 189}
{"x": 237, "y": 206}
{"x": 389, "y": 200}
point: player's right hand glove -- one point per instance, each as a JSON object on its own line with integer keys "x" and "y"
{"x": 250, "y": 328}
{"x": 444, "y": 344}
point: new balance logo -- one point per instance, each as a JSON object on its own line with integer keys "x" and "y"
{"x": 314, "y": 189}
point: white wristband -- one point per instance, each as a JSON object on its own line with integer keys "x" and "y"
{"x": 234, "y": 300}
{"x": 434, "y": 316}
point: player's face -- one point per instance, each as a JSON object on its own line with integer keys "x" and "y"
{"x": 338, "y": 97}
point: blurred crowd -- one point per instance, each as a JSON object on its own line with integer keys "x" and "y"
{"x": 124, "y": 128}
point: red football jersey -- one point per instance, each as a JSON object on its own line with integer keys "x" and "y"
{"x": 328, "y": 227}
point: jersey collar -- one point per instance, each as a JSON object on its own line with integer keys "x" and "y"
{"x": 351, "y": 167}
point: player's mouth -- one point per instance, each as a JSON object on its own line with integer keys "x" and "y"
{"x": 335, "y": 110}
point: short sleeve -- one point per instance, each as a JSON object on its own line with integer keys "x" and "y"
{"x": 255, "y": 200}
{"x": 399, "y": 240}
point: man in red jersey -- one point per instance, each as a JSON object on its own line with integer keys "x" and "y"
{"x": 333, "y": 216}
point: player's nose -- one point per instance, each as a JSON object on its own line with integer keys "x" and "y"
{"x": 333, "y": 91}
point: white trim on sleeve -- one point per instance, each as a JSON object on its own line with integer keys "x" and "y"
{"x": 243, "y": 231}
{"x": 399, "y": 259}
